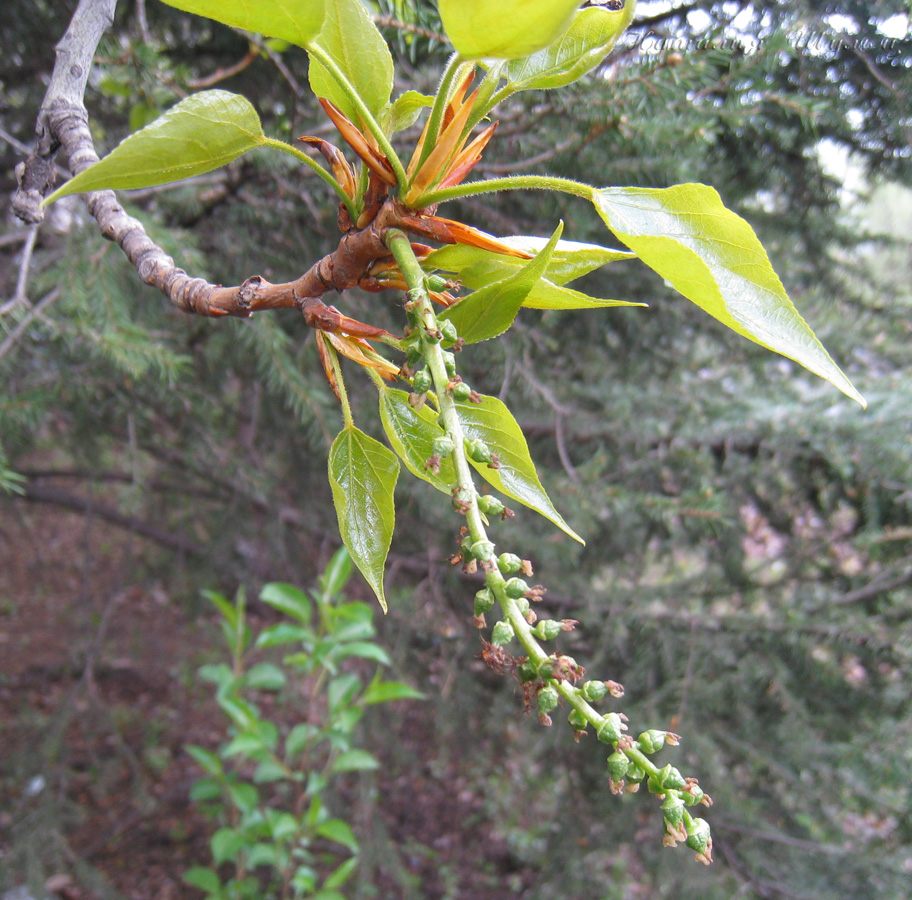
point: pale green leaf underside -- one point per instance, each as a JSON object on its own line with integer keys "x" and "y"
{"x": 570, "y": 259}
{"x": 491, "y": 422}
{"x": 712, "y": 256}
{"x": 199, "y": 134}
{"x": 362, "y": 475}
{"x": 403, "y": 112}
{"x": 591, "y": 36}
{"x": 491, "y": 310}
{"x": 350, "y": 37}
{"x": 296, "y": 21}
{"x": 411, "y": 433}
{"x": 504, "y": 29}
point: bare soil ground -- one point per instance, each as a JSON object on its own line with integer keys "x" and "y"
{"x": 98, "y": 697}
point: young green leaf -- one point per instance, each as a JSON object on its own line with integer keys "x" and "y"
{"x": 491, "y": 309}
{"x": 350, "y": 37}
{"x": 199, "y": 134}
{"x": 590, "y": 38}
{"x": 288, "y": 599}
{"x": 411, "y": 433}
{"x": 362, "y": 475}
{"x": 504, "y": 29}
{"x": 296, "y": 21}
{"x": 569, "y": 261}
{"x": 355, "y": 760}
{"x": 713, "y": 257}
{"x": 403, "y": 112}
{"x": 491, "y": 422}
{"x": 547, "y": 295}
{"x": 379, "y": 691}
{"x": 340, "y": 832}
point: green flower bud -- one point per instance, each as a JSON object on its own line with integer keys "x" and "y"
{"x": 442, "y": 446}
{"x": 522, "y": 605}
{"x": 618, "y": 766}
{"x": 461, "y": 392}
{"x": 593, "y": 691}
{"x": 432, "y": 335}
{"x": 422, "y": 382}
{"x": 413, "y": 356}
{"x": 610, "y": 729}
{"x": 699, "y": 836}
{"x": 482, "y": 550}
{"x": 577, "y": 720}
{"x": 465, "y": 546}
{"x": 478, "y": 450}
{"x": 449, "y": 363}
{"x": 668, "y": 778}
{"x": 651, "y": 741}
{"x": 527, "y": 672}
{"x": 450, "y": 336}
{"x": 635, "y": 773}
{"x": 509, "y": 563}
{"x": 547, "y": 700}
{"x": 547, "y": 630}
{"x": 484, "y": 602}
{"x": 436, "y": 283}
{"x": 516, "y": 588}
{"x": 502, "y": 634}
{"x": 490, "y": 505}
{"x": 694, "y": 794}
{"x": 673, "y": 810}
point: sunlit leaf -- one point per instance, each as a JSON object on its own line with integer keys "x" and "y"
{"x": 199, "y": 134}
{"x": 296, "y": 21}
{"x": 713, "y": 257}
{"x": 504, "y": 29}
{"x": 340, "y": 832}
{"x": 587, "y": 42}
{"x": 411, "y": 432}
{"x": 362, "y": 474}
{"x": 491, "y": 422}
{"x": 491, "y": 309}
{"x": 288, "y": 599}
{"x": 569, "y": 261}
{"x": 350, "y": 37}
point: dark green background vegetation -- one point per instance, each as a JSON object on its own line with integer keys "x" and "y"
{"x": 747, "y": 572}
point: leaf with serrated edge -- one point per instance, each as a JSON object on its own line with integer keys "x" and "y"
{"x": 350, "y": 37}
{"x": 712, "y": 256}
{"x": 491, "y": 310}
{"x": 591, "y": 36}
{"x": 491, "y": 422}
{"x": 569, "y": 261}
{"x": 296, "y": 21}
{"x": 199, "y": 134}
{"x": 362, "y": 475}
{"x": 411, "y": 432}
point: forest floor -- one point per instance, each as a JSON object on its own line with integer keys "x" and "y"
{"x": 98, "y": 698}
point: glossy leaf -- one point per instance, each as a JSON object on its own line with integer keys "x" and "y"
{"x": 545, "y": 294}
{"x": 296, "y": 21}
{"x": 362, "y": 474}
{"x": 504, "y": 29}
{"x": 588, "y": 41}
{"x": 713, "y": 257}
{"x": 491, "y": 422}
{"x": 569, "y": 261}
{"x": 411, "y": 432}
{"x": 491, "y": 309}
{"x": 199, "y": 134}
{"x": 350, "y": 37}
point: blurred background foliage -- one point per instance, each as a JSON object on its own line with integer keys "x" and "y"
{"x": 747, "y": 570}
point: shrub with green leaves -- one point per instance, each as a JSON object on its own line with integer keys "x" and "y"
{"x": 267, "y": 788}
